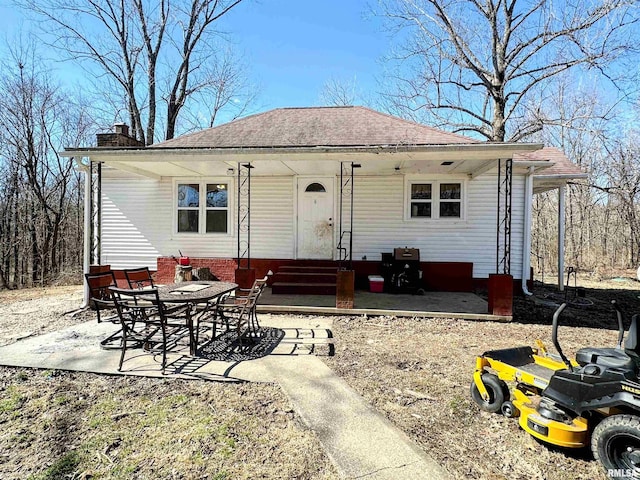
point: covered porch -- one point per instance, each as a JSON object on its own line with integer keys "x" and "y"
{"x": 342, "y": 185}
{"x": 464, "y": 305}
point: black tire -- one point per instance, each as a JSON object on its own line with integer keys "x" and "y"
{"x": 616, "y": 443}
{"x": 498, "y": 393}
{"x": 509, "y": 410}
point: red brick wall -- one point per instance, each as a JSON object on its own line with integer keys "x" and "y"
{"x": 223, "y": 268}
{"x": 443, "y": 276}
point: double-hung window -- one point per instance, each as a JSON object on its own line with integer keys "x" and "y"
{"x": 202, "y": 207}
{"x": 434, "y": 199}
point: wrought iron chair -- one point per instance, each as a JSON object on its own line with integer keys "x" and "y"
{"x": 239, "y": 311}
{"x": 139, "y": 277}
{"x": 99, "y": 293}
{"x": 145, "y": 321}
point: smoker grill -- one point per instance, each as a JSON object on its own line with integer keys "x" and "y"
{"x": 401, "y": 271}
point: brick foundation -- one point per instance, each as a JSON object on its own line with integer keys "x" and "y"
{"x": 223, "y": 268}
{"x": 437, "y": 276}
{"x": 500, "y": 300}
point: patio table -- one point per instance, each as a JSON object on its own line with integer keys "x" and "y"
{"x": 193, "y": 293}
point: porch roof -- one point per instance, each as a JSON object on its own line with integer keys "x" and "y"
{"x": 470, "y": 159}
{"x": 560, "y": 171}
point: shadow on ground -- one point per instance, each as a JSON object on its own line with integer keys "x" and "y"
{"x": 587, "y": 306}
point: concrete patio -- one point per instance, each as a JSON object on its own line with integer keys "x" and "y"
{"x": 359, "y": 441}
{"x": 465, "y": 305}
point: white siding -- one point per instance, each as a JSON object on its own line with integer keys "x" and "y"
{"x": 379, "y": 224}
{"x": 272, "y": 226}
{"x": 138, "y": 220}
{"x": 131, "y": 231}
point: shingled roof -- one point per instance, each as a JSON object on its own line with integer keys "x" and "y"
{"x": 562, "y": 166}
{"x": 316, "y": 126}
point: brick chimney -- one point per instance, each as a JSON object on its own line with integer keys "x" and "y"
{"x": 119, "y": 138}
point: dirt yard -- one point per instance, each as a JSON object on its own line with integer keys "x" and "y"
{"x": 416, "y": 372}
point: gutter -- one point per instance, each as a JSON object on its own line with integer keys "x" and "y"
{"x": 562, "y": 176}
{"x": 526, "y": 247}
{"x": 502, "y": 148}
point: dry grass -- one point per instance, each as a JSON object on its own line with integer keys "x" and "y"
{"x": 34, "y": 311}
{"x": 76, "y": 425}
{"x": 59, "y": 425}
{"x": 417, "y": 373}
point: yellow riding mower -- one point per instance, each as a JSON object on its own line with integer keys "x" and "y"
{"x": 594, "y": 398}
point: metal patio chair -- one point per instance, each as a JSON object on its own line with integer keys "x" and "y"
{"x": 139, "y": 277}
{"x": 239, "y": 311}
{"x": 145, "y": 321}
{"x": 99, "y": 293}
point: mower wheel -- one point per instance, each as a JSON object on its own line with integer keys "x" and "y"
{"x": 498, "y": 393}
{"x": 616, "y": 443}
{"x": 509, "y": 410}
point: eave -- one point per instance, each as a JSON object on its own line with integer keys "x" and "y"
{"x": 468, "y": 159}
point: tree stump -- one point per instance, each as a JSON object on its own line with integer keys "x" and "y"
{"x": 183, "y": 273}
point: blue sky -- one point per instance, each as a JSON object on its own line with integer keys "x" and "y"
{"x": 295, "y": 46}
{"x": 292, "y": 46}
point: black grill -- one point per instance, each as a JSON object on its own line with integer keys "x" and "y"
{"x": 401, "y": 271}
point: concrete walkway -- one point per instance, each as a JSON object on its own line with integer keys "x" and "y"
{"x": 360, "y": 442}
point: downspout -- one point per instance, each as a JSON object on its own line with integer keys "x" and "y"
{"x": 87, "y": 225}
{"x": 526, "y": 247}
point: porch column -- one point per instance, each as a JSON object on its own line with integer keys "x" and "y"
{"x": 561, "y": 201}
{"x": 86, "y": 261}
{"x": 245, "y": 275}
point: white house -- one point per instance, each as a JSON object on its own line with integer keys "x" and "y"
{"x": 323, "y": 184}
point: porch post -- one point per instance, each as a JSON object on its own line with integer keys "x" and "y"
{"x": 500, "y": 301}
{"x": 244, "y": 275}
{"x": 87, "y": 227}
{"x": 561, "y": 229}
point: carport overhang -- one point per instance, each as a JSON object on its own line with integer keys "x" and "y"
{"x": 544, "y": 183}
{"x": 472, "y": 159}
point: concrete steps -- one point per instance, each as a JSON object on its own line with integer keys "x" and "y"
{"x": 304, "y": 280}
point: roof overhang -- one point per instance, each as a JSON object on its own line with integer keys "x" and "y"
{"x": 543, "y": 183}
{"x": 469, "y": 159}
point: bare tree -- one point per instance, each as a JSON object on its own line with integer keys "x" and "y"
{"x": 224, "y": 93}
{"x": 474, "y": 64}
{"x": 140, "y": 46}
{"x": 339, "y": 93}
{"x": 36, "y": 120}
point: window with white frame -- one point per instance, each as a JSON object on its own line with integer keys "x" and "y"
{"x": 202, "y": 207}
{"x": 434, "y": 199}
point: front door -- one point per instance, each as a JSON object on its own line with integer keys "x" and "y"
{"x": 315, "y": 218}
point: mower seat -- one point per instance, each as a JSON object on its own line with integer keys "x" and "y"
{"x": 606, "y": 357}
{"x": 632, "y": 342}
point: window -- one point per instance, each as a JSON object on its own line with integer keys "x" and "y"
{"x": 217, "y": 208}
{"x": 315, "y": 187}
{"x": 202, "y": 207}
{"x": 434, "y": 199}
{"x": 421, "y": 200}
{"x": 188, "y": 207}
{"x": 450, "y": 200}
